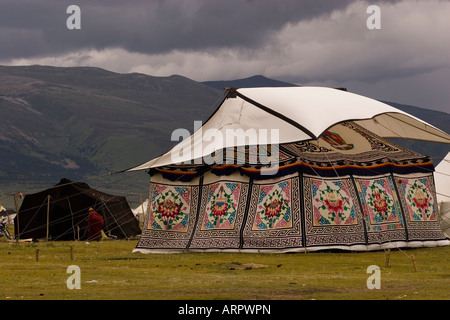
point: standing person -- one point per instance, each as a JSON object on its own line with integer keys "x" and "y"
{"x": 95, "y": 225}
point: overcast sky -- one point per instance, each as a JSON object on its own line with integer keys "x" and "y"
{"x": 307, "y": 42}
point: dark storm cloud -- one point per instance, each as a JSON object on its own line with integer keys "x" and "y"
{"x": 308, "y": 42}
{"x": 36, "y": 28}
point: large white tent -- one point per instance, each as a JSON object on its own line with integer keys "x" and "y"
{"x": 442, "y": 180}
{"x": 294, "y": 169}
{"x": 6, "y": 216}
{"x": 140, "y": 211}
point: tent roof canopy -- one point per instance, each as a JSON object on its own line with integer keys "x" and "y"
{"x": 442, "y": 179}
{"x": 297, "y": 114}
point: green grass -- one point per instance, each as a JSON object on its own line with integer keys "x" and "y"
{"x": 109, "y": 270}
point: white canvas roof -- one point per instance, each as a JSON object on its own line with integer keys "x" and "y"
{"x": 442, "y": 179}
{"x": 297, "y": 113}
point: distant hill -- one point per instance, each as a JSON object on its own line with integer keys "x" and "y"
{"x": 82, "y": 123}
{"x": 251, "y": 82}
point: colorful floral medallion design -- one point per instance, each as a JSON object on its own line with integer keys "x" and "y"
{"x": 223, "y": 198}
{"x": 332, "y": 204}
{"x": 380, "y": 204}
{"x": 169, "y": 208}
{"x": 274, "y": 206}
{"x": 419, "y": 199}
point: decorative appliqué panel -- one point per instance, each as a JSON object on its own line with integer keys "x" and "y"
{"x": 221, "y": 206}
{"x": 332, "y": 214}
{"x": 381, "y": 208}
{"x": 418, "y": 198}
{"x": 221, "y": 214}
{"x": 171, "y": 217}
{"x": 169, "y": 208}
{"x": 274, "y": 215}
{"x": 332, "y": 203}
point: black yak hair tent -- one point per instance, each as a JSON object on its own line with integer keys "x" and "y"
{"x": 63, "y": 211}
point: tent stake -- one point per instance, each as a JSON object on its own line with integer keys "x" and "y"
{"x": 388, "y": 257}
{"x": 413, "y": 259}
{"x": 37, "y": 255}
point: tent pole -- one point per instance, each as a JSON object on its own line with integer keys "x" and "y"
{"x": 142, "y": 205}
{"x": 17, "y": 215}
{"x": 71, "y": 215}
{"x": 48, "y": 213}
{"x": 104, "y": 204}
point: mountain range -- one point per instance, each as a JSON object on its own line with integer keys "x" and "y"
{"x": 83, "y": 123}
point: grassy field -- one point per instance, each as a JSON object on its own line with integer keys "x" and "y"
{"x": 109, "y": 270}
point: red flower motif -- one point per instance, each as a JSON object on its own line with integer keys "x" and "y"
{"x": 273, "y": 208}
{"x": 380, "y": 204}
{"x": 421, "y": 203}
{"x": 420, "y": 199}
{"x": 333, "y": 204}
{"x": 169, "y": 209}
{"x": 219, "y": 208}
